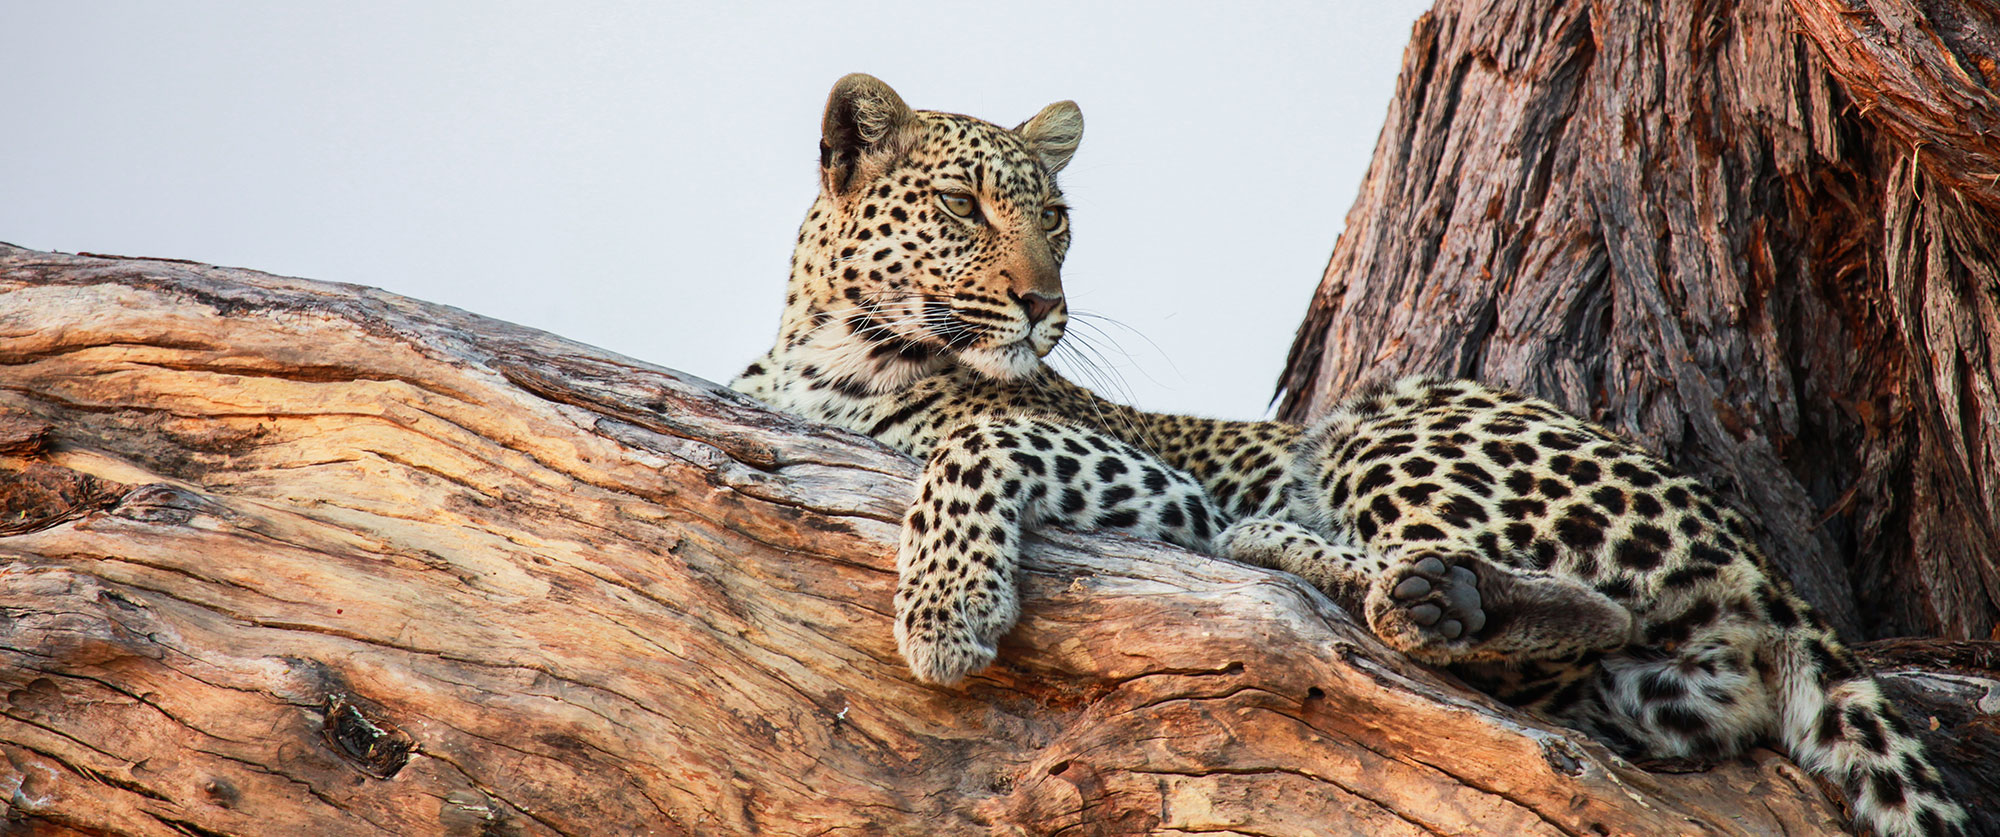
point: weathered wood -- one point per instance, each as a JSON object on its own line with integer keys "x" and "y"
{"x": 1925, "y": 71}
{"x": 359, "y": 564}
{"x": 1758, "y": 236}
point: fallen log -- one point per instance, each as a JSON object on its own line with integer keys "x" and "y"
{"x": 288, "y": 557}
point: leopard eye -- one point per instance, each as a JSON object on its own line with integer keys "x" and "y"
{"x": 1053, "y": 217}
{"x": 957, "y": 203}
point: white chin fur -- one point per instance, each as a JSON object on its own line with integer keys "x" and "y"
{"x": 1006, "y": 363}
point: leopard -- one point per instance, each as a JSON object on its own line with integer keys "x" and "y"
{"x": 1546, "y": 560}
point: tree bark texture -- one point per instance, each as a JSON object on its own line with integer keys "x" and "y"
{"x": 285, "y": 557}
{"x": 1758, "y": 236}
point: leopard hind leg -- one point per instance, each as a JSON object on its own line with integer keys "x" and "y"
{"x": 1438, "y": 604}
{"x": 1444, "y": 605}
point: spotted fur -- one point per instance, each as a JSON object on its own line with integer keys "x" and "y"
{"x": 1548, "y": 561}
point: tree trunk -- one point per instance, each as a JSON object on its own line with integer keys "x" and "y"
{"x": 1762, "y": 238}
{"x": 285, "y": 557}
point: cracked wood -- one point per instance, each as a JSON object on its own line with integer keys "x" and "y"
{"x": 373, "y": 566}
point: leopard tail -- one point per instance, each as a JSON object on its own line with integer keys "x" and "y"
{"x": 1836, "y": 722}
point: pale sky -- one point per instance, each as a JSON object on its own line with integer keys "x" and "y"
{"x": 631, "y": 175}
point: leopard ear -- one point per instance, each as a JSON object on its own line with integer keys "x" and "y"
{"x": 865, "y": 122}
{"x": 1054, "y": 134}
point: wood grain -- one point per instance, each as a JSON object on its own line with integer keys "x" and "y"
{"x": 375, "y": 566}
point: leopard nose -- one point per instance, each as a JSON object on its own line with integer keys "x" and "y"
{"x": 1037, "y": 305}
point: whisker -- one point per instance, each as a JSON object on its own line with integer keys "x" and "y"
{"x": 1091, "y": 320}
{"x": 1114, "y": 381}
{"x": 1088, "y": 316}
{"x": 889, "y": 317}
{"x": 1082, "y": 344}
{"x": 1098, "y": 378}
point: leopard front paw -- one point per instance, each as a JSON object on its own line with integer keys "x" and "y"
{"x": 945, "y": 640}
{"x": 1430, "y": 606}
{"x": 943, "y": 657}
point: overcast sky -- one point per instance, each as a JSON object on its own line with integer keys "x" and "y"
{"x": 631, "y": 175}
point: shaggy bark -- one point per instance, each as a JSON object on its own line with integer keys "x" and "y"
{"x": 1760, "y": 237}
{"x": 285, "y": 557}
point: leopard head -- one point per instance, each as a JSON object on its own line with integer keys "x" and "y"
{"x": 936, "y": 238}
